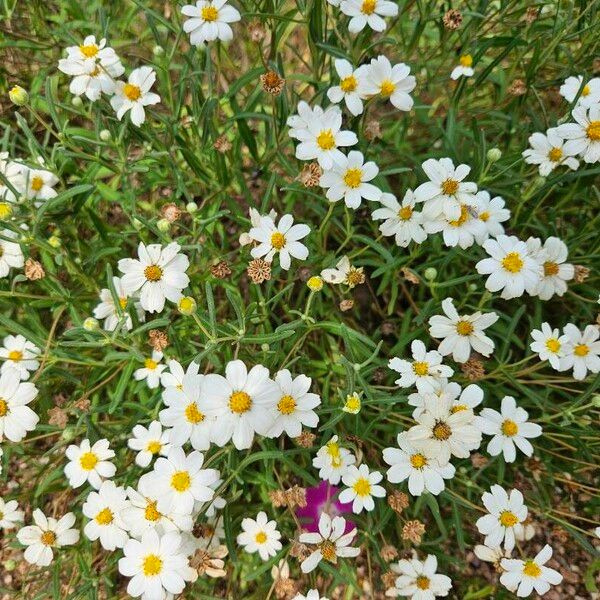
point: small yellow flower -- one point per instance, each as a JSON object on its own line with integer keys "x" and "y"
{"x": 18, "y": 95}
{"x": 315, "y": 283}
{"x": 54, "y": 241}
{"x": 90, "y": 324}
{"x": 5, "y": 210}
{"x": 187, "y": 305}
{"x": 352, "y": 404}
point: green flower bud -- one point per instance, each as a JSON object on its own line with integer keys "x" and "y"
{"x": 105, "y": 135}
{"x": 91, "y": 324}
{"x": 430, "y": 273}
{"x": 494, "y": 154}
{"x": 187, "y": 306}
{"x": 18, "y": 95}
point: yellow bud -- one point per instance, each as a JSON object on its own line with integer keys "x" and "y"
{"x": 5, "y": 210}
{"x": 18, "y": 95}
{"x": 315, "y": 283}
{"x": 187, "y": 305}
{"x": 54, "y": 241}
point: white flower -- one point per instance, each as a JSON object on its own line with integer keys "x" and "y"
{"x": 175, "y": 375}
{"x": 39, "y": 184}
{"x": 93, "y": 66}
{"x": 105, "y": 509}
{"x": 16, "y": 418}
{"x": 523, "y": 577}
{"x": 13, "y": 172}
{"x": 209, "y": 20}
{"x": 158, "y": 273}
{"x": 180, "y": 480}
{"x": 331, "y": 542}
{"x": 460, "y": 333}
{"x": 419, "y": 580}
{"x": 281, "y": 238}
{"x": 361, "y": 488}
{"x": 509, "y": 428}
{"x": 46, "y": 534}
{"x": 445, "y": 431}
{"x": 583, "y": 353}
{"x": 511, "y": 267}
{"x": 11, "y": 254}
{"x": 333, "y": 461}
{"x": 107, "y": 309}
{"x": 352, "y": 404}
{"x": 89, "y": 463}
{"x": 424, "y": 370}
{"x": 311, "y": 594}
{"x": 556, "y": 272}
{"x": 321, "y": 137}
{"x": 135, "y": 94}
{"x": 344, "y": 273}
{"x": 255, "y": 217}
{"x": 548, "y": 151}
{"x": 505, "y": 518}
{"x": 242, "y": 403}
{"x": 584, "y": 135}
{"x": 209, "y": 509}
{"x": 401, "y": 220}
{"x": 368, "y": 12}
{"x": 351, "y": 87}
{"x": 299, "y": 124}
{"x": 470, "y": 397}
{"x": 464, "y": 68}
{"x": 348, "y": 179}
{"x": 10, "y": 514}
{"x": 394, "y": 83}
{"x": 492, "y": 555}
{"x": 419, "y": 466}
{"x": 151, "y": 370}
{"x": 460, "y": 232}
{"x": 550, "y": 345}
{"x": 20, "y": 355}
{"x": 295, "y": 405}
{"x": 211, "y": 534}
{"x": 260, "y": 535}
{"x": 148, "y": 443}
{"x": 157, "y": 565}
{"x": 590, "y": 94}
{"x": 445, "y": 191}
{"x": 492, "y": 213}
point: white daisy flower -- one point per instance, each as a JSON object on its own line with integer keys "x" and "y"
{"x": 107, "y": 309}
{"x": 510, "y": 428}
{"x": 176, "y": 373}
{"x": 460, "y": 333}
{"x": 525, "y": 576}
{"x": 368, "y": 12}
{"x": 10, "y": 514}
{"x": 209, "y": 509}
{"x": 295, "y": 405}
{"x": 550, "y": 345}
{"x": 299, "y": 123}
{"x": 89, "y": 463}
{"x": 157, "y": 274}
{"x": 418, "y": 465}
{"x": 462, "y": 232}
{"x": 180, "y": 480}
{"x": 492, "y": 555}
{"x": 13, "y": 172}
{"x": 135, "y": 95}
{"x": 19, "y": 354}
{"x": 583, "y": 353}
{"x": 46, "y": 534}
{"x": 11, "y": 255}
{"x": 310, "y": 595}
{"x": 552, "y": 256}
{"x": 492, "y": 213}
{"x": 16, "y": 418}
{"x": 419, "y": 580}
{"x": 157, "y": 565}
{"x": 282, "y": 238}
{"x": 511, "y": 267}
{"x": 424, "y": 370}
{"x": 505, "y": 518}
{"x": 590, "y": 91}
{"x": 393, "y": 83}
{"x": 361, "y": 488}
{"x": 322, "y": 138}
{"x": 151, "y": 370}
{"x": 445, "y": 192}
{"x": 148, "y": 443}
{"x": 260, "y": 535}
{"x": 209, "y": 21}
{"x": 331, "y": 542}
{"x": 401, "y": 220}
{"x": 352, "y": 404}
{"x": 105, "y": 509}
{"x": 349, "y": 179}
{"x": 39, "y": 184}
{"x": 255, "y": 217}
{"x": 464, "y": 67}
{"x": 548, "y": 151}
{"x": 584, "y": 135}
{"x": 351, "y": 87}
{"x": 345, "y": 273}
{"x": 242, "y": 403}
{"x": 333, "y": 461}
{"x": 469, "y": 398}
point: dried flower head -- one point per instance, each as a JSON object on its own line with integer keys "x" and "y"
{"x": 285, "y": 589}
{"x": 170, "y": 212}
{"x": 389, "y": 580}
{"x": 222, "y": 144}
{"x": 34, "y": 270}
{"x": 473, "y": 369}
{"x": 158, "y": 339}
{"x": 295, "y": 497}
{"x": 581, "y": 273}
{"x": 210, "y": 562}
{"x": 257, "y": 32}
{"x": 299, "y": 551}
{"x": 310, "y": 175}
{"x": 259, "y": 270}
{"x": 452, "y": 19}
{"x": 517, "y": 88}
{"x": 57, "y": 416}
{"x": 478, "y": 460}
{"x": 389, "y": 553}
{"x": 531, "y": 14}
{"x": 410, "y": 276}
{"x": 272, "y": 83}
{"x": 221, "y": 270}
{"x": 413, "y": 531}
{"x": 346, "y": 305}
{"x": 277, "y": 498}
{"x": 398, "y": 501}
{"x": 306, "y": 439}
{"x": 373, "y": 130}
{"x": 83, "y": 404}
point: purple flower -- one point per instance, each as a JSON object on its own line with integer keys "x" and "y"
{"x": 322, "y": 498}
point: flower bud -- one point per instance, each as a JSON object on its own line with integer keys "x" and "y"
{"x": 315, "y": 283}
{"x": 5, "y": 210}
{"x": 105, "y": 135}
{"x": 430, "y": 273}
{"x": 158, "y": 51}
{"x": 187, "y": 306}
{"x": 163, "y": 225}
{"x": 18, "y": 95}
{"x": 191, "y": 207}
{"x": 90, "y": 324}
{"x": 76, "y": 101}
{"x": 54, "y": 241}
{"x": 494, "y": 154}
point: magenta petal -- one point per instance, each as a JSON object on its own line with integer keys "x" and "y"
{"x": 322, "y": 498}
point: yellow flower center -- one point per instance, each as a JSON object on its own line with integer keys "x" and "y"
{"x": 278, "y": 240}
{"x": 210, "y": 13}
{"x": 153, "y": 273}
{"x": 325, "y": 140}
{"x": 418, "y": 461}
{"x": 508, "y": 519}
{"x": 328, "y": 552}
{"x": 104, "y": 517}
{"x": 509, "y": 428}
{"x": 362, "y": 487}
{"x": 123, "y": 303}
{"x": 353, "y": 403}
{"x": 512, "y": 262}
{"x": 353, "y": 178}
{"x": 420, "y": 368}
{"x": 3, "y": 407}
{"x": 531, "y": 569}
{"x": 348, "y": 84}
{"x": 5, "y": 210}
{"x": 15, "y": 355}
{"x": 422, "y": 582}
{"x": 441, "y": 431}
{"x": 466, "y": 60}
{"x": 553, "y": 345}
{"x": 550, "y": 269}
{"x": 152, "y": 565}
{"x": 88, "y": 461}
{"x": 355, "y": 277}
{"x": 240, "y": 402}
{"x": 464, "y": 328}
{"x": 154, "y": 447}
{"x": 192, "y": 414}
{"x": 368, "y": 7}
{"x": 150, "y": 513}
{"x": 387, "y": 88}
{"x": 450, "y": 187}
{"x": 593, "y": 131}
{"x": 405, "y": 213}
{"x": 555, "y": 154}
{"x": 581, "y": 350}
{"x": 287, "y": 405}
{"x": 89, "y": 51}
{"x": 586, "y": 90}
{"x": 150, "y": 364}
{"x": 333, "y": 449}
{"x": 464, "y": 215}
{"x": 484, "y": 216}
{"x": 181, "y": 481}
{"x": 132, "y": 92}
{"x": 48, "y": 538}
{"x": 260, "y": 537}
{"x": 37, "y": 183}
